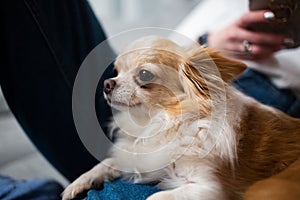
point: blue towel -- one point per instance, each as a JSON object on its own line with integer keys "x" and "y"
{"x": 121, "y": 190}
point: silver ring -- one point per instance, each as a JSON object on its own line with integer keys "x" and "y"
{"x": 247, "y": 46}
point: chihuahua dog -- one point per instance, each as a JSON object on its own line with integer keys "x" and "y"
{"x": 180, "y": 124}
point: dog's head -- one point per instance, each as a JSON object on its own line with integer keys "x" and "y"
{"x": 155, "y": 73}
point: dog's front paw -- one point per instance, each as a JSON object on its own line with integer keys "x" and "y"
{"x": 73, "y": 190}
{"x": 79, "y": 186}
{"x": 164, "y": 195}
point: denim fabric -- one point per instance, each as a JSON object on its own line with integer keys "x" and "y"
{"x": 43, "y": 43}
{"x": 37, "y": 189}
{"x": 259, "y": 87}
{"x": 121, "y": 190}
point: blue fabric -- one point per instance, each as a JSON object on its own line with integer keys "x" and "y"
{"x": 260, "y": 87}
{"x": 122, "y": 190}
{"x": 37, "y": 189}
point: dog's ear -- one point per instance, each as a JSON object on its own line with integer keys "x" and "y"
{"x": 204, "y": 58}
{"x": 195, "y": 86}
{"x": 200, "y": 75}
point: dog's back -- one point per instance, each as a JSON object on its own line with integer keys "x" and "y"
{"x": 268, "y": 142}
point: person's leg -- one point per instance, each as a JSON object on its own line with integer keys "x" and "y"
{"x": 43, "y": 44}
{"x": 29, "y": 189}
{"x": 259, "y": 87}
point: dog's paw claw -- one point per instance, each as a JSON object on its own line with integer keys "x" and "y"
{"x": 73, "y": 191}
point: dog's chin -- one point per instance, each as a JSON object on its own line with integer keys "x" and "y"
{"x": 121, "y": 106}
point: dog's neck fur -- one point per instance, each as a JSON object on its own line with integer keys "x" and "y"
{"x": 218, "y": 133}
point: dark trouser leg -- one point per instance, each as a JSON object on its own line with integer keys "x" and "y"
{"x": 43, "y": 43}
{"x": 259, "y": 87}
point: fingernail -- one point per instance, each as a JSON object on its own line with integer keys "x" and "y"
{"x": 288, "y": 42}
{"x": 269, "y": 15}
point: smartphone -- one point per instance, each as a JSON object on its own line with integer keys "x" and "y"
{"x": 287, "y": 18}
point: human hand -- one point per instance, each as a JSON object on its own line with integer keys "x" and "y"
{"x": 238, "y": 41}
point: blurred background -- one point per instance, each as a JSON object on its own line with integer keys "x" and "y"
{"x": 18, "y": 157}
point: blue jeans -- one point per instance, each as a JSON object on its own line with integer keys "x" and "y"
{"x": 259, "y": 87}
{"x": 37, "y": 189}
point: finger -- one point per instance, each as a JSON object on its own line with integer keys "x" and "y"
{"x": 254, "y": 17}
{"x": 255, "y": 49}
{"x": 260, "y": 38}
{"x": 237, "y": 50}
{"x": 262, "y": 50}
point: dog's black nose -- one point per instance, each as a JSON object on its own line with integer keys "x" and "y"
{"x": 109, "y": 85}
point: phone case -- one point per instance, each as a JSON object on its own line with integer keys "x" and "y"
{"x": 287, "y": 19}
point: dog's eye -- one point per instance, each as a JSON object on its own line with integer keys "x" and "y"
{"x": 145, "y": 75}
